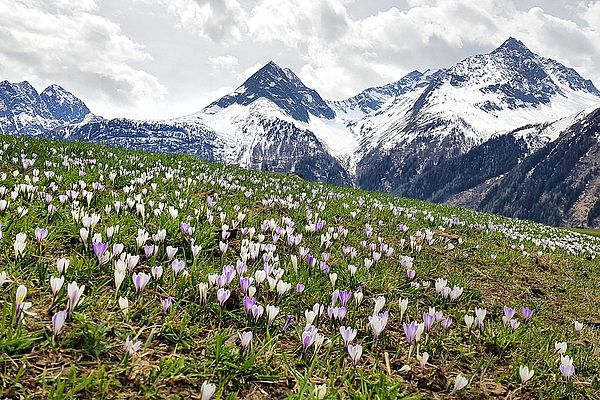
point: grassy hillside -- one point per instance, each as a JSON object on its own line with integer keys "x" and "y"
{"x": 231, "y": 254}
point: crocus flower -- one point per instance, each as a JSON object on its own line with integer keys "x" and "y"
{"x": 509, "y": 313}
{"x": 166, "y": 303}
{"x": 245, "y": 339}
{"x": 308, "y": 336}
{"x": 75, "y": 294}
{"x": 446, "y": 322}
{"x": 288, "y": 323}
{"x": 272, "y": 312}
{"x": 207, "y": 390}
{"x": 56, "y": 284}
{"x": 19, "y": 245}
{"x": 222, "y": 295}
{"x": 358, "y": 297}
{"x": 527, "y": 313}
{"x": 140, "y": 280}
{"x": 355, "y": 352}
{"x": 130, "y": 347}
{"x": 455, "y": 293}
{"x": 410, "y": 330}
{"x": 344, "y": 296}
{"x": 177, "y": 266}
{"x": 124, "y": 305}
{"x": 560, "y": 347}
{"x": 423, "y": 358}
{"x": 480, "y": 314}
{"x": 203, "y": 292}
{"x": 566, "y": 368}
{"x": 348, "y": 334}
{"x": 171, "y": 251}
{"x": 119, "y": 278}
{"x": 578, "y": 326}
{"x": 21, "y": 306}
{"x": 40, "y": 235}
{"x": 62, "y": 264}
{"x": 525, "y": 373}
{"x": 3, "y": 278}
{"x": 149, "y": 250}
{"x": 58, "y": 322}
{"x": 378, "y": 323}
{"x": 99, "y": 249}
{"x": 403, "y": 306}
{"x": 379, "y": 303}
{"x": 459, "y": 383}
{"x": 300, "y": 288}
{"x": 469, "y": 319}
{"x": 156, "y": 272}
{"x": 428, "y": 321}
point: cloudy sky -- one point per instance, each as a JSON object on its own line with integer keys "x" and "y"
{"x": 166, "y": 58}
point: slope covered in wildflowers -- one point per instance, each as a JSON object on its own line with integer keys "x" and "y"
{"x": 134, "y": 275}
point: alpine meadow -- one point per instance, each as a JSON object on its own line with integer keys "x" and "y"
{"x": 320, "y": 200}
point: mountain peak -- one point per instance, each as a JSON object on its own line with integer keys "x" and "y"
{"x": 282, "y": 87}
{"x": 64, "y": 106}
{"x": 513, "y": 44}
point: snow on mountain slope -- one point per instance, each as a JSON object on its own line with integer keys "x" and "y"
{"x": 375, "y": 98}
{"x": 482, "y": 95}
{"x": 25, "y": 111}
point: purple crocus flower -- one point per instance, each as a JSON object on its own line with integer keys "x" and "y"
{"x": 245, "y": 283}
{"x": 410, "y": 273}
{"x": 228, "y": 273}
{"x": 344, "y": 296}
{"x": 299, "y": 288}
{"x": 149, "y": 250}
{"x": 567, "y": 370}
{"x": 288, "y": 323}
{"x": 428, "y": 320}
{"x": 310, "y": 260}
{"x": 308, "y": 336}
{"x": 166, "y": 303}
{"x": 99, "y": 249}
{"x": 248, "y": 303}
{"x": 446, "y": 322}
{"x": 177, "y": 266}
{"x": 40, "y": 235}
{"x": 132, "y": 347}
{"x": 58, "y": 321}
{"x": 185, "y": 228}
{"x": 348, "y": 334}
{"x": 527, "y": 313}
{"x": 140, "y": 280}
{"x": 410, "y": 330}
{"x": 223, "y": 295}
{"x": 509, "y": 313}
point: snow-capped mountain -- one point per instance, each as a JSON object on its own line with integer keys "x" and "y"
{"x": 466, "y": 105}
{"x": 25, "y": 111}
{"x": 283, "y": 88}
{"x": 372, "y": 99}
{"x": 444, "y": 135}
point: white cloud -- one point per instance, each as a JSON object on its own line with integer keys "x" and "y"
{"x": 226, "y": 62}
{"x": 200, "y": 48}
{"x": 344, "y": 55}
{"x": 223, "y": 21}
{"x": 49, "y": 42}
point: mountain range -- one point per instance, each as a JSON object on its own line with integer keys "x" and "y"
{"x": 509, "y": 132}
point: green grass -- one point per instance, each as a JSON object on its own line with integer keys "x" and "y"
{"x": 587, "y": 231}
{"x": 498, "y": 261}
